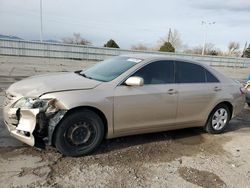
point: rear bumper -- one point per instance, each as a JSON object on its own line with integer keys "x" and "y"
{"x": 248, "y": 97}
{"x": 238, "y": 105}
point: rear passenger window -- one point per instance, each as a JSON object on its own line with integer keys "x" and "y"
{"x": 189, "y": 73}
{"x": 159, "y": 72}
{"x": 211, "y": 78}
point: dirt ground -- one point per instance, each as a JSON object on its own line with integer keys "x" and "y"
{"x": 182, "y": 158}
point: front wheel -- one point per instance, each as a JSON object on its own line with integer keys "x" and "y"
{"x": 79, "y": 133}
{"x": 218, "y": 119}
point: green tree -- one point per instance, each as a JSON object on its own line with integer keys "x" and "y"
{"x": 247, "y": 52}
{"x": 174, "y": 38}
{"x": 213, "y": 52}
{"x": 167, "y": 47}
{"x": 111, "y": 44}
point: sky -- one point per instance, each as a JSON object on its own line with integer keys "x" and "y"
{"x": 129, "y": 22}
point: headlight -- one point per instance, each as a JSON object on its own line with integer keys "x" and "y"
{"x": 29, "y": 103}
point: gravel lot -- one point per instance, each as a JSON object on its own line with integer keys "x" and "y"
{"x": 183, "y": 158}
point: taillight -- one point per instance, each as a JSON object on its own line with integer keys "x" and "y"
{"x": 242, "y": 90}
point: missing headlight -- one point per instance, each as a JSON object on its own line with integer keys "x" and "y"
{"x": 31, "y": 103}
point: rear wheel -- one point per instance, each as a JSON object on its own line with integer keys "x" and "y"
{"x": 218, "y": 120}
{"x": 248, "y": 104}
{"x": 79, "y": 133}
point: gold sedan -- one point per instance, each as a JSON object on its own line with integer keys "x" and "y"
{"x": 124, "y": 95}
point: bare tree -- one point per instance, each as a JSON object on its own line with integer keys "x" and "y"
{"x": 76, "y": 39}
{"x": 233, "y": 48}
{"x": 209, "y": 50}
{"x": 173, "y": 37}
{"x": 139, "y": 46}
{"x": 209, "y": 47}
{"x": 193, "y": 50}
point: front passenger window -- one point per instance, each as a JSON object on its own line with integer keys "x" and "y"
{"x": 159, "y": 72}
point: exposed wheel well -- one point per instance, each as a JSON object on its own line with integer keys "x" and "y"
{"x": 96, "y": 110}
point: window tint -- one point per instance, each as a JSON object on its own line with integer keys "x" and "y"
{"x": 159, "y": 72}
{"x": 189, "y": 73}
{"x": 210, "y": 77}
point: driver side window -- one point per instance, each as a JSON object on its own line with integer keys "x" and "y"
{"x": 159, "y": 72}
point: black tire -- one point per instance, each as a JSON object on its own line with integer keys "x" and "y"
{"x": 210, "y": 127}
{"x": 248, "y": 104}
{"x": 79, "y": 133}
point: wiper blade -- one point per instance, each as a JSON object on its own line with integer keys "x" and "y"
{"x": 84, "y": 75}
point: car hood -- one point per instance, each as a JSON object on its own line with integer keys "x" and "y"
{"x": 38, "y": 85}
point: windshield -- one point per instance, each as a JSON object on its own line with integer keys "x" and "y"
{"x": 109, "y": 69}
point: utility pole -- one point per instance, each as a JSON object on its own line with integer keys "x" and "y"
{"x": 205, "y": 24}
{"x": 41, "y": 21}
{"x": 169, "y": 34}
{"x": 245, "y": 47}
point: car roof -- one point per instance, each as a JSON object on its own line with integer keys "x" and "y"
{"x": 144, "y": 56}
{"x": 150, "y": 57}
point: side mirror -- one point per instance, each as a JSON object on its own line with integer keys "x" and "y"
{"x": 134, "y": 81}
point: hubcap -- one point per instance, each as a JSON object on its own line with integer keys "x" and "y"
{"x": 219, "y": 119}
{"x": 80, "y": 134}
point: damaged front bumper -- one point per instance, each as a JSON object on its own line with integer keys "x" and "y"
{"x": 21, "y": 129}
{"x": 35, "y": 125}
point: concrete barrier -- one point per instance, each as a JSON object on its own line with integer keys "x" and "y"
{"x": 84, "y": 52}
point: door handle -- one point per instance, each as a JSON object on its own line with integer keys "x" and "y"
{"x": 217, "y": 88}
{"x": 172, "y": 92}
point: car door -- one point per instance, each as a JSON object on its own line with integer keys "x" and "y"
{"x": 197, "y": 89}
{"x": 148, "y": 107}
